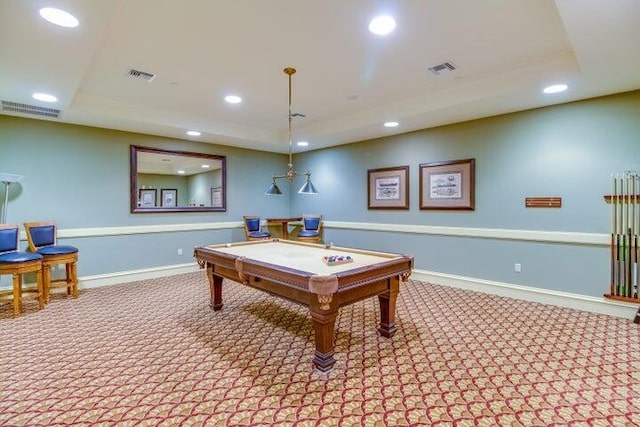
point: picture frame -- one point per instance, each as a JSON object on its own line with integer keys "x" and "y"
{"x": 147, "y": 197}
{"x": 169, "y": 197}
{"x": 447, "y": 185}
{"x": 217, "y": 200}
{"x": 388, "y": 188}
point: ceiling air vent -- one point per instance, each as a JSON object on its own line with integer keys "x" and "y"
{"x": 17, "y": 107}
{"x": 445, "y": 66}
{"x": 140, "y": 75}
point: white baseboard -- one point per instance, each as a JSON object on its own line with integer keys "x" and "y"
{"x": 108, "y": 279}
{"x": 545, "y": 296}
{"x": 527, "y": 293}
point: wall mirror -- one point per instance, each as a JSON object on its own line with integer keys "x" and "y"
{"x": 177, "y": 181}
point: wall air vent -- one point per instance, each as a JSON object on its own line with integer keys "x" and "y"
{"x": 17, "y": 107}
{"x": 140, "y": 75}
{"x": 445, "y": 66}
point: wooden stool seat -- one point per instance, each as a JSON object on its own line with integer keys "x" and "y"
{"x": 70, "y": 281}
{"x": 42, "y": 238}
{"x": 18, "y": 263}
{"x": 252, "y": 228}
{"x": 311, "y": 225}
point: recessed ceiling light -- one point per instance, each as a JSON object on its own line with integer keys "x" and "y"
{"x": 181, "y": 172}
{"x": 206, "y": 166}
{"x": 382, "y": 25}
{"x": 391, "y": 124}
{"x": 233, "y": 99}
{"x": 59, "y": 17}
{"x": 302, "y": 143}
{"x": 44, "y": 97}
{"x": 555, "y": 88}
{"x": 194, "y": 133}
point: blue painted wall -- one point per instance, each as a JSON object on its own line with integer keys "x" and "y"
{"x": 567, "y": 150}
{"x": 79, "y": 176}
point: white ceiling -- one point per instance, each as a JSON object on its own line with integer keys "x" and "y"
{"x": 349, "y": 81}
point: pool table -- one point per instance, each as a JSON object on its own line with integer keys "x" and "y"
{"x": 303, "y": 273}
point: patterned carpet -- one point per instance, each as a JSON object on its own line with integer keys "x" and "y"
{"x": 153, "y": 353}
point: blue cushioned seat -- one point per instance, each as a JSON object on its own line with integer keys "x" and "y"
{"x": 260, "y": 234}
{"x": 311, "y": 224}
{"x": 252, "y": 229}
{"x": 19, "y": 257}
{"x": 305, "y": 233}
{"x": 42, "y": 238}
{"x": 16, "y": 263}
{"x": 57, "y": 250}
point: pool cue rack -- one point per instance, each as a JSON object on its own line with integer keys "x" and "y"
{"x": 625, "y": 237}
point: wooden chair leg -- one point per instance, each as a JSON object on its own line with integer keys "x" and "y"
{"x": 40, "y": 289}
{"x": 67, "y": 276}
{"x": 74, "y": 279}
{"x": 17, "y": 294}
{"x": 46, "y": 281}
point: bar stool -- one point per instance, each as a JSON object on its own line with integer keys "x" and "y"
{"x": 42, "y": 238}
{"x": 17, "y": 263}
{"x": 252, "y": 229}
{"x": 311, "y": 224}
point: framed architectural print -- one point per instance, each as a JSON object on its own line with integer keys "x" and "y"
{"x": 388, "y": 188}
{"x": 216, "y": 197}
{"x": 147, "y": 198}
{"x": 448, "y": 185}
{"x": 169, "y": 197}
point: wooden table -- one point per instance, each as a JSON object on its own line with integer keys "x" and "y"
{"x": 296, "y": 271}
{"x": 284, "y": 223}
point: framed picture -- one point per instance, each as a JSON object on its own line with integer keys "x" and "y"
{"x": 388, "y": 188}
{"x": 169, "y": 197}
{"x": 216, "y": 197}
{"x": 448, "y": 185}
{"x": 147, "y": 198}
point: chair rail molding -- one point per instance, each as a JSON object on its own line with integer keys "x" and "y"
{"x": 568, "y": 237}
{"x": 564, "y": 237}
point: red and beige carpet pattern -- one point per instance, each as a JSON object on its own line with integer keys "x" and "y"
{"x": 153, "y": 353}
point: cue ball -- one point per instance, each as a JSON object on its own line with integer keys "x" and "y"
{"x": 228, "y": 245}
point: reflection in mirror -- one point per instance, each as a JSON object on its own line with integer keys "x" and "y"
{"x": 177, "y": 181}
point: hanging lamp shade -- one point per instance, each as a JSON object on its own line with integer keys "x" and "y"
{"x": 273, "y": 190}
{"x": 308, "y": 187}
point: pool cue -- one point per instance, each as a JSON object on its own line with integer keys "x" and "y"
{"x": 632, "y": 233}
{"x": 620, "y": 234}
{"x": 636, "y": 229}
{"x": 614, "y": 200}
{"x": 629, "y": 283}
{"x": 612, "y": 289}
{"x": 619, "y": 237}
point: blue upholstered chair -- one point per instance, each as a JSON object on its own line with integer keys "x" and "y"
{"x": 311, "y": 224}
{"x": 43, "y": 239}
{"x": 252, "y": 229}
{"x": 16, "y": 263}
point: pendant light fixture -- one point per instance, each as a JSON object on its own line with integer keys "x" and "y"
{"x": 308, "y": 187}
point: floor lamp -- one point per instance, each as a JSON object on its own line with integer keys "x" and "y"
{"x": 7, "y": 179}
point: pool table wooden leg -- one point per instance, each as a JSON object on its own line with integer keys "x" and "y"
{"x": 215, "y": 289}
{"x": 387, "y": 302}
{"x": 324, "y": 324}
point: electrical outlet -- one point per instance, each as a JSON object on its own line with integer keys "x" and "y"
{"x": 180, "y": 251}
{"x": 517, "y": 267}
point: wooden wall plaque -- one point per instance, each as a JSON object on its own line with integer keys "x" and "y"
{"x": 543, "y": 202}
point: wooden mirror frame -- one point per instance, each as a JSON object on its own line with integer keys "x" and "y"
{"x": 133, "y": 179}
